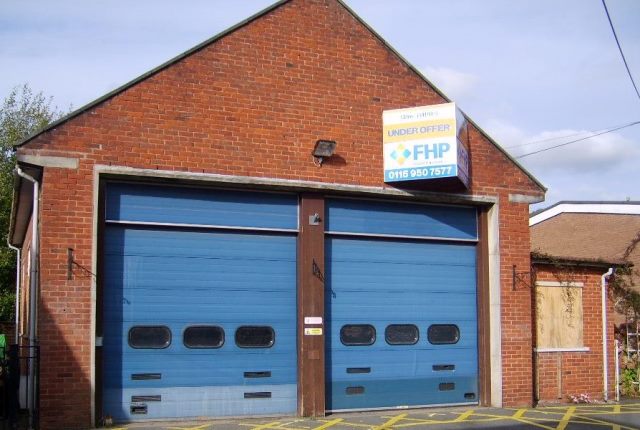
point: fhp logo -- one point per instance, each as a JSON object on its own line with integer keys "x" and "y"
{"x": 422, "y": 151}
{"x": 400, "y": 154}
{"x": 430, "y": 150}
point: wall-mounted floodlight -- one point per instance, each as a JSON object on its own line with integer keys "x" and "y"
{"x": 323, "y": 149}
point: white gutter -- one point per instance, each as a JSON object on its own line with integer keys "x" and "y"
{"x": 605, "y": 355}
{"x": 33, "y": 292}
{"x": 17, "y": 336}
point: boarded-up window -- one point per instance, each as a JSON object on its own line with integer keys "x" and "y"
{"x": 559, "y": 316}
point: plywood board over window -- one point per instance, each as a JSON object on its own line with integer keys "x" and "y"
{"x": 559, "y": 316}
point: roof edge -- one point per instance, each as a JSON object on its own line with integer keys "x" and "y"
{"x": 235, "y": 27}
{"x": 580, "y": 262}
{"x": 22, "y": 204}
{"x": 585, "y": 207}
{"x": 441, "y": 94}
{"x": 15, "y": 200}
{"x": 149, "y": 73}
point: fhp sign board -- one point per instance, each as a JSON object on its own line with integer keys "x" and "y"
{"x": 426, "y": 142}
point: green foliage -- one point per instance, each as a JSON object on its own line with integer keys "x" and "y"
{"x": 628, "y": 380}
{"x": 629, "y": 386}
{"x": 22, "y": 113}
{"x": 8, "y": 305}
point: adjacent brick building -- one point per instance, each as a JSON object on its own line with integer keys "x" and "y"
{"x": 575, "y": 245}
{"x": 232, "y": 123}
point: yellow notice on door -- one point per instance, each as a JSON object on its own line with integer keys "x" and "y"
{"x": 313, "y": 331}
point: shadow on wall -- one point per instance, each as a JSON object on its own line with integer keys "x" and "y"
{"x": 65, "y": 386}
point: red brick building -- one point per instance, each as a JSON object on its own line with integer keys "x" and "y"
{"x": 575, "y": 246}
{"x": 224, "y": 134}
{"x": 569, "y": 335}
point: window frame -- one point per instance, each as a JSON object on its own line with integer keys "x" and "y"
{"x": 271, "y": 329}
{"x": 457, "y": 339}
{"x": 373, "y": 339}
{"x": 417, "y": 337}
{"x": 222, "y": 337}
{"x": 168, "y": 343}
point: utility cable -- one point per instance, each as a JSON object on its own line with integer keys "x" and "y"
{"x": 533, "y": 142}
{"x": 620, "y": 48}
{"x": 578, "y": 140}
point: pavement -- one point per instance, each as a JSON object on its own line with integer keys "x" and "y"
{"x": 565, "y": 417}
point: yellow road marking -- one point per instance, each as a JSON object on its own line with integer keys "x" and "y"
{"x": 198, "y": 427}
{"x": 564, "y": 421}
{"x": 419, "y": 423}
{"x": 423, "y": 421}
{"x": 390, "y": 422}
{"x": 559, "y": 412}
{"x": 519, "y": 413}
{"x": 596, "y": 421}
{"x": 560, "y": 416}
{"x": 464, "y": 416}
{"x": 511, "y": 417}
{"x": 412, "y": 422}
{"x": 348, "y": 424}
{"x": 270, "y": 425}
{"x": 328, "y": 424}
{"x": 485, "y": 420}
{"x": 296, "y": 421}
{"x": 518, "y": 416}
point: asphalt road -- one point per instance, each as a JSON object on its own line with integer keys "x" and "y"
{"x": 565, "y": 417}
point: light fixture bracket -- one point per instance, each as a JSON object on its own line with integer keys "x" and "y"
{"x": 323, "y": 149}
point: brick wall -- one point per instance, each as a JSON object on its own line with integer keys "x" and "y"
{"x": 253, "y": 103}
{"x": 515, "y": 306}
{"x": 563, "y": 374}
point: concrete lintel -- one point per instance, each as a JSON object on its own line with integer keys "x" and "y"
{"x": 49, "y": 161}
{"x": 294, "y": 185}
{"x": 524, "y": 198}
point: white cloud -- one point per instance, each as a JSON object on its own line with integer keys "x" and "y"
{"x": 604, "y": 152}
{"x": 453, "y": 83}
{"x": 599, "y": 168}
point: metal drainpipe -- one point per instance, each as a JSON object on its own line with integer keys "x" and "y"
{"x": 17, "y": 250}
{"x": 605, "y": 355}
{"x": 33, "y": 293}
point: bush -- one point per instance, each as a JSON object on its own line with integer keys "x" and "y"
{"x": 7, "y": 306}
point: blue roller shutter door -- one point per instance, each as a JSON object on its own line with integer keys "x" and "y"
{"x": 401, "y": 305}
{"x": 216, "y": 273}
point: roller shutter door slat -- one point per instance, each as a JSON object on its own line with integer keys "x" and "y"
{"x": 152, "y": 203}
{"x": 389, "y": 218}
{"x": 385, "y": 281}
{"x": 177, "y": 278}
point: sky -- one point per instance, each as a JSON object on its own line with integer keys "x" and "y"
{"x": 524, "y": 71}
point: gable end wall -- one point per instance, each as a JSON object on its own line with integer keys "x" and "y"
{"x": 251, "y": 104}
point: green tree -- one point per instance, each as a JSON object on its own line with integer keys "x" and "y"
{"x": 23, "y": 112}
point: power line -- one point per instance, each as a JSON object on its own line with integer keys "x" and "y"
{"x": 533, "y": 142}
{"x": 578, "y": 140}
{"x": 620, "y": 49}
